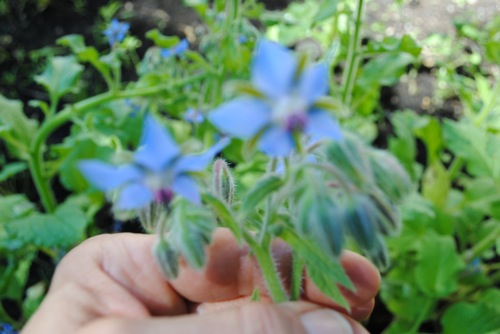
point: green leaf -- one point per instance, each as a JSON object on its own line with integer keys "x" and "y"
{"x": 60, "y": 76}
{"x": 12, "y": 169}
{"x": 436, "y": 184}
{"x": 429, "y": 131}
{"x": 385, "y": 69}
{"x": 324, "y": 282}
{"x": 492, "y": 51}
{"x": 261, "y": 190}
{"x": 317, "y": 259}
{"x": 479, "y": 149}
{"x": 482, "y": 194}
{"x": 15, "y": 128}
{"x": 325, "y": 10}
{"x": 470, "y": 318}
{"x": 438, "y": 266}
{"x": 64, "y": 228}
{"x": 34, "y": 297}
{"x": 161, "y": 40}
{"x": 84, "y": 53}
{"x": 15, "y": 277}
{"x": 14, "y": 207}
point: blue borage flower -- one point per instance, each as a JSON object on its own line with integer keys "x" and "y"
{"x": 194, "y": 116}
{"x": 176, "y": 50}
{"x": 157, "y": 172}
{"x": 6, "y": 328}
{"x": 116, "y": 31}
{"x": 287, "y": 106}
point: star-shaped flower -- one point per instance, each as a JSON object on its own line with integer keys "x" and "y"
{"x": 116, "y": 31}
{"x": 287, "y": 106}
{"x": 158, "y": 171}
{"x": 176, "y": 50}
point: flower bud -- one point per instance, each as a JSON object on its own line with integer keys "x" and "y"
{"x": 360, "y": 218}
{"x": 389, "y": 175}
{"x": 379, "y": 254}
{"x": 152, "y": 216}
{"x": 389, "y": 220}
{"x": 166, "y": 258}
{"x": 318, "y": 217}
{"x": 223, "y": 181}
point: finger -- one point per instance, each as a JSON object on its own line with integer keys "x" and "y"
{"x": 294, "y": 318}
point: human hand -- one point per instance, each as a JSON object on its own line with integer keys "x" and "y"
{"x": 111, "y": 284}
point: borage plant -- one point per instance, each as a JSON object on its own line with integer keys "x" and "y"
{"x": 322, "y": 188}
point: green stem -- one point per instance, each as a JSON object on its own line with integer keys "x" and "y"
{"x": 36, "y": 161}
{"x": 485, "y": 111}
{"x": 297, "y": 272}
{"x": 482, "y": 245}
{"x": 353, "y": 56}
{"x": 268, "y": 268}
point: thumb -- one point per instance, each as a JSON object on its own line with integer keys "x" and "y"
{"x": 293, "y": 318}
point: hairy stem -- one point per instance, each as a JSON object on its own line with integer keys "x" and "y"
{"x": 268, "y": 268}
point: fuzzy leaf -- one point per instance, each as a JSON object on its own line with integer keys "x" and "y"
{"x": 60, "y": 76}
{"x": 470, "y": 318}
{"x": 15, "y": 128}
{"x": 261, "y": 190}
{"x": 12, "y": 169}
{"x": 479, "y": 149}
{"x": 64, "y": 228}
{"x": 438, "y": 266}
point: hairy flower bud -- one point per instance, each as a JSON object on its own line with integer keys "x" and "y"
{"x": 223, "y": 181}
{"x": 152, "y": 216}
{"x": 360, "y": 219}
{"x": 167, "y": 259}
{"x": 318, "y": 217}
{"x": 389, "y": 175}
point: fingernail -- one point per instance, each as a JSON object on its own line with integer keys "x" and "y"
{"x": 325, "y": 321}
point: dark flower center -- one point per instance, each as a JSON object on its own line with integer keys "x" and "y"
{"x": 296, "y": 122}
{"x": 164, "y": 196}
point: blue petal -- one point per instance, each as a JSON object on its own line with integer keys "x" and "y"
{"x": 276, "y": 142}
{"x": 157, "y": 147}
{"x": 182, "y": 46}
{"x": 273, "y": 69}
{"x": 107, "y": 177}
{"x": 320, "y": 124}
{"x": 134, "y": 196}
{"x": 241, "y": 117}
{"x": 197, "y": 163}
{"x": 313, "y": 82}
{"x": 185, "y": 186}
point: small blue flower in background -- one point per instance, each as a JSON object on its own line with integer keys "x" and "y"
{"x": 116, "y": 31}
{"x": 242, "y": 39}
{"x": 194, "y": 116}
{"x": 157, "y": 173}
{"x": 5, "y": 328}
{"x": 176, "y": 50}
{"x": 287, "y": 105}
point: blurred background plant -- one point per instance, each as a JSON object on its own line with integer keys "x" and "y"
{"x": 431, "y": 99}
